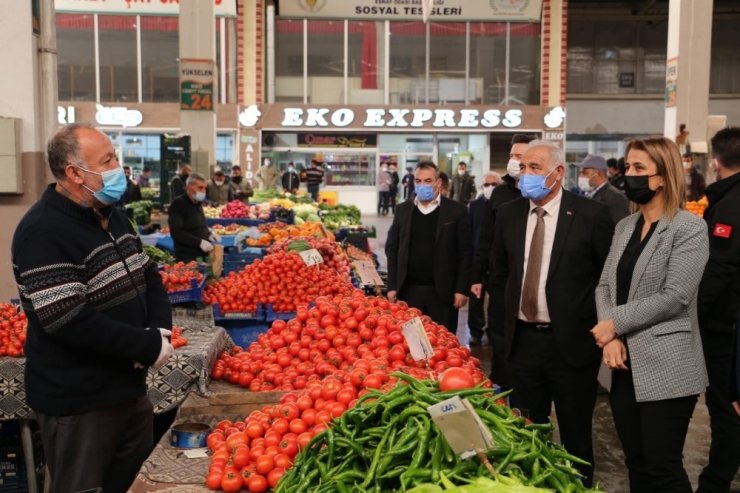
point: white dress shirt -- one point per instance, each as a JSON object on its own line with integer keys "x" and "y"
{"x": 552, "y": 209}
{"x": 430, "y": 207}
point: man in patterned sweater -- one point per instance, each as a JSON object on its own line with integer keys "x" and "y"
{"x": 97, "y": 318}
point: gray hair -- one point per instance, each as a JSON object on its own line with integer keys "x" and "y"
{"x": 554, "y": 150}
{"x": 195, "y": 177}
{"x": 64, "y": 147}
{"x": 494, "y": 174}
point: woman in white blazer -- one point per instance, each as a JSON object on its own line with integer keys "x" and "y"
{"x": 648, "y": 328}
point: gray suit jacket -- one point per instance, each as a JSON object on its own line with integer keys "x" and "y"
{"x": 659, "y": 319}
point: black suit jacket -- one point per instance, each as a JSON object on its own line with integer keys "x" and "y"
{"x": 452, "y": 249}
{"x": 581, "y": 245}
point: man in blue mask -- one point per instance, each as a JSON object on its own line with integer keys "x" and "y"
{"x": 550, "y": 247}
{"x": 98, "y": 317}
{"x": 429, "y": 250}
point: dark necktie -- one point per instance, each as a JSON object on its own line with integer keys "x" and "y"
{"x": 534, "y": 266}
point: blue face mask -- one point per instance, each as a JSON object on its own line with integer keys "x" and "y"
{"x": 114, "y": 185}
{"x": 425, "y": 192}
{"x": 533, "y": 186}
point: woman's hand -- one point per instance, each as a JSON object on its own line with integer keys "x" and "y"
{"x": 604, "y": 332}
{"x": 615, "y": 355}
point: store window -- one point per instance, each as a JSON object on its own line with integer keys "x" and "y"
{"x": 616, "y": 57}
{"x": 225, "y": 150}
{"x": 137, "y": 151}
{"x": 725, "y": 66}
{"x": 76, "y": 57}
{"x": 159, "y": 54}
{"x": 118, "y": 67}
{"x": 413, "y": 78}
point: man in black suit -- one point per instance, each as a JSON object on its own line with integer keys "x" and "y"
{"x": 429, "y": 251}
{"x": 550, "y": 247}
{"x": 483, "y": 261}
{"x": 592, "y": 181}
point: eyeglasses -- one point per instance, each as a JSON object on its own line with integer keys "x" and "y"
{"x": 486, "y": 185}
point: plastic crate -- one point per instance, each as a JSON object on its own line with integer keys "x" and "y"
{"x": 349, "y": 233}
{"x": 235, "y": 261}
{"x": 271, "y": 315}
{"x": 283, "y": 215}
{"x": 244, "y": 332}
{"x": 194, "y": 294}
{"x": 243, "y": 221}
{"x": 219, "y": 316}
{"x": 12, "y": 469}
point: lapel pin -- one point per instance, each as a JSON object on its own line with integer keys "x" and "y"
{"x": 569, "y": 213}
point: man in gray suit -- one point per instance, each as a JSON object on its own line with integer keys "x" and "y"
{"x": 592, "y": 180}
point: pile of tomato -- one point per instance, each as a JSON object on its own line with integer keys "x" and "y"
{"x": 12, "y": 330}
{"x": 281, "y": 279}
{"x": 328, "y": 356}
{"x": 330, "y": 251}
{"x": 177, "y": 339}
{"x": 355, "y": 339}
{"x": 179, "y": 276}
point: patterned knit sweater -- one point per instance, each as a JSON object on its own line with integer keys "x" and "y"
{"x": 94, "y": 301}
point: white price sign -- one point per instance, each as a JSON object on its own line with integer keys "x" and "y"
{"x": 461, "y": 426}
{"x": 311, "y": 257}
{"x": 417, "y": 339}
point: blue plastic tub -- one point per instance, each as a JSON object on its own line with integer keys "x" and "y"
{"x": 244, "y": 332}
{"x": 271, "y": 315}
{"x": 218, "y": 315}
{"x": 194, "y": 294}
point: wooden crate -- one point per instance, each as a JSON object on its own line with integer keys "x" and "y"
{"x": 228, "y": 401}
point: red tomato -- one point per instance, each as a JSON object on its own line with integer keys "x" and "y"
{"x": 273, "y": 477}
{"x": 264, "y": 464}
{"x": 231, "y": 482}
{"x": 257, "y": 483}
{"x": 455, "y": 379}
{"x": 213, "y": 481}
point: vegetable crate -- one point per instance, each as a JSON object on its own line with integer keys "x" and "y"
{"x": 219, "y": 316}
{"x": 12, "y": 466}
{"x": 282, "y": 215}
{"x": 271, "y": 315}
{"x": 235, "y": 261}
{"x": 194, "y": 294}
{"x": 244, "y": 332}
{"x": 350, "y": 233}
{"x": 242, "y": 221}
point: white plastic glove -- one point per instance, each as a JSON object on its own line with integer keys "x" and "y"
{"x": 166, "y": 351}
{"x": 206, "y": 246}
{"x": 215, "y": 238}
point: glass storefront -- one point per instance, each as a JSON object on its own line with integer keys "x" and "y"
{"x": 139, "y": 150}
{"x": 454, "y": 71}
{"x": 119, "y": 71}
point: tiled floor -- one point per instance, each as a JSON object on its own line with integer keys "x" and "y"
{"x": 610, "y": 470}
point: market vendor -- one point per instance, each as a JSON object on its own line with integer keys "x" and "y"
{"x": 98, "y": 317}
{"x": 240, "y": 186}
{"x": 188, "y": 222}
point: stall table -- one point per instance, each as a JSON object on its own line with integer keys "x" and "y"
{"x": 186, "y": 371}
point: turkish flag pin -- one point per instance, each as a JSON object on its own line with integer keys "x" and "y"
{"x": 722, "y": 230}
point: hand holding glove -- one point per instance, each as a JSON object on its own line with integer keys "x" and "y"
{"x": 166, "y": 351}
{"x": 206, "y": 246}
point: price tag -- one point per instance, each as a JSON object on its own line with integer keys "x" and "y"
{"x": 311, "y": 257}
{"x": 461, "y": 426}
{"x": 417, "y": 339}
{"x": 367, "y": 272}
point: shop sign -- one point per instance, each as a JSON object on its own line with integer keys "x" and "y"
{"x": 196, "y": 84}
{"x": 249, "y": 148}
{"x": 441, "y": 10}
{"x": 336, "y": 140}
{"x": 403, "y": 118}
{"x": 117, "y": 116}
{"x": 66, "y": 115}
{"x": 223, "y": 8}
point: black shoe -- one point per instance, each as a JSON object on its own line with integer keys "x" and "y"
{"x": 475, "y": 341}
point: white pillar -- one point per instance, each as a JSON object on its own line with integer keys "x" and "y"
{"x": 198, "y": 40}
{"x": 20, "y": 98}
{"x": 687, "y": 70}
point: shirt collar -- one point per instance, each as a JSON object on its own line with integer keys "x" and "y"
{"x": 551, "y": 207}
{"x": 430, "y": 207}
{"x": 593, "y": 192}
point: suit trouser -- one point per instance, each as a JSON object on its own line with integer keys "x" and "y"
{"x": 426, "y": 299}
{"x": 102, "y": 448}
{"x": 652, "y": 435}
{"x": 476, "y": 317}
{"x": 540, "y": 376}
{"x": 497, "y": 339}
{"x": 724, "y": 453}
